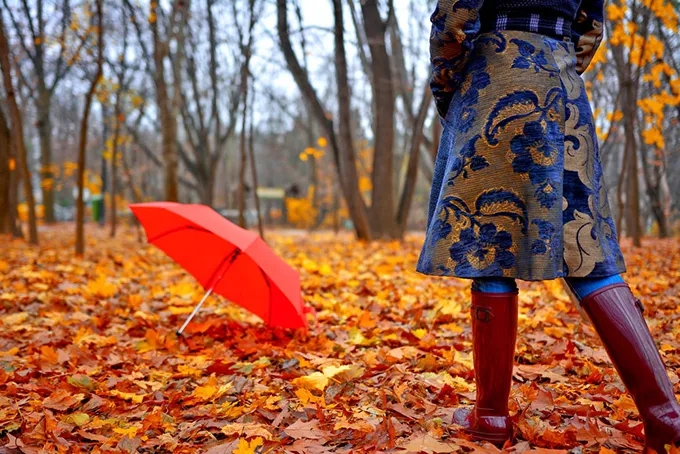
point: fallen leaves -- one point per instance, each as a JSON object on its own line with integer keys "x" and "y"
{"x": 89, "y": 359}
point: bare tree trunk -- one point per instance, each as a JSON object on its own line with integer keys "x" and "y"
{"x": 5, "y": 170}
{"x": 104, "y": 163}
{"x": 82, "y": 146}
{"x": 117, "y": 114}
{"x": 18, "y": 134}
{"x": 13, "y": 197}
{"x": 619, "y": 194}
{"x": 45, "y": 134}
{"x": 348, "y": 175}
{"x": 342, "y": 145}
{"x": 9, "y": 181}
{"x": 633, "y": 190}
{"x": 136, "y": 196}
{"x": 653, "y": 174}
{"x": 382, "y": 195}
{"x": 253, "y": 166}
{"x": 243, "y": 160}
{"x": 412, "y": 168}
{"x": 168, "y": 122}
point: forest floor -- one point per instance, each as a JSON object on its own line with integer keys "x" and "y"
{"x": 90, "y": 362}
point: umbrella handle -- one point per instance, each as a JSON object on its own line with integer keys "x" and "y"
{"x": 224, "y": 266}
{"x": 195, "y": 311}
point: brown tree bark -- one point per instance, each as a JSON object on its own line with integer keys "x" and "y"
{"x": 253, "y": 166}
{"x": 342, "y": 145}
{"x": 629, "y": 82}
{"x": 382, "y": 84}
{"x": 82, "y": 146}
{"x": 412, "y": 168}
{"x": 9, "y": 181}
{"x": 18, "y": 134}
{"x": 168, "y": 121}
{"x": 243, "y": 161}
{"x": 34, "y": 43}
{"x": 118, "y": 114}
{"x": 653, "y": 174}
{"x": 43, "y": 105}
{"x": 346, "y": 155}
{"x": 5, "y": 165}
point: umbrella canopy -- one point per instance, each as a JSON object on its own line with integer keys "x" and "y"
{"x": 226, "y": 259}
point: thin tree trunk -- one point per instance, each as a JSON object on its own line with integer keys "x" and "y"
{"x": 253, "y": 166}
{"x": 5, "y": 170}
{"x": 18, "y": 134}
{"x": 348, "y": 175}
{"x": 82, "y": 146}
{"x": 243, "y": 161}
{"x": 619, "y": 193}
{"x": 10, "y": 179}
{"x": 382, "y": 82}
{"x": 45, "y": 134}
{"x": 412, "y": 168}
{"x": 136, "y": 196}
{"x": 179, "y": 7}
{"x": 104, "y": 163}
{"x": 13, "y": 198}
{"x": 633, "y": 190}
{"x": 653, "y": 175}
{"x": 117, "y": 113}
{"x": 343, "y": 151}
{"x": 168, "y": 122}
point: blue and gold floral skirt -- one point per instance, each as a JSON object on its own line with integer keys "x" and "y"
{"x": 518, "y": 189}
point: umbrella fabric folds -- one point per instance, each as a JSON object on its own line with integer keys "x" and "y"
{"x": 225, "y": 259}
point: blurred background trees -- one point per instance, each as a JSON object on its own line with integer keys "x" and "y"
{"x": 301, "y": 114}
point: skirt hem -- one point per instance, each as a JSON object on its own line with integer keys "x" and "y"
{"x": 520, "y": 277}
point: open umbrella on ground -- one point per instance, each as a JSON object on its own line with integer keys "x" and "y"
{"x": 225, "y": 259}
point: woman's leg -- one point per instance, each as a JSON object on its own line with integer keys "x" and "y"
{"x": 617, "y": 317}
{"x": 494, "y": 331}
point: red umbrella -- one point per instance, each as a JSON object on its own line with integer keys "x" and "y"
{"x": 225, "y": 259}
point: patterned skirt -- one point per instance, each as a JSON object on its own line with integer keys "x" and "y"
{"x": 518, "y": 189}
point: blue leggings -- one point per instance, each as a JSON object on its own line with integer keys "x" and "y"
{"x": 581, "y": 286}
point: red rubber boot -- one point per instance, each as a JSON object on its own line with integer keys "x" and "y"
{"x": 617, "y": 318}
{"x": 494, "y": 332}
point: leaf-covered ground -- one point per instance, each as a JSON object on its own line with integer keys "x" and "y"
{"x": 89, "y": 359}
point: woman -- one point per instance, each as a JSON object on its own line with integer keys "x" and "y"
{"x": 518, "y": 194}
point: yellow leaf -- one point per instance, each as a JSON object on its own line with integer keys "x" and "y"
{"x": 79, "y": 419}
{"x": 130, "y": 432}
{"x": 616, "y": 12}
{"x": 315, "y": 380}
{"x": 136, "y": 398}
{"x": 248, "y": 448}
{"x": 180, "y": 310}
{"x": 102, "y": 288}
{"x": 11, "y": 352}
{"x": 15, "y": 319}
{"x": 12, "y": 164}
{"x": 305, "y": 396}
{"x": 211, "y": 390}
{"x": 365, "y": 184}
{"x": 322, "y": 142}
{"x": 332, "y": 371}
{"x": 205, "y": 392}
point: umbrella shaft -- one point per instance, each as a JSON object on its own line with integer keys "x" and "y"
{"x": 195, "y": 311}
